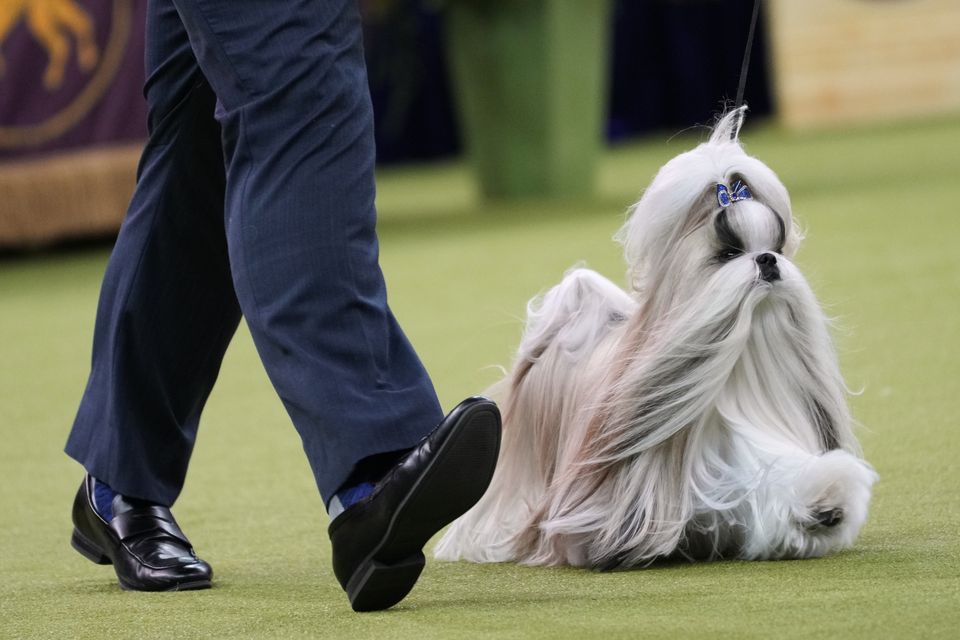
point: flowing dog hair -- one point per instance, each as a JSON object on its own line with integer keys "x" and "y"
{"x": 703, "y": 415}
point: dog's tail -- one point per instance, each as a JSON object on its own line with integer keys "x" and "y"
{"x": 563, "y": 331}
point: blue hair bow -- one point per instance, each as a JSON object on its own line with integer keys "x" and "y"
{"x": 738, "y": 191}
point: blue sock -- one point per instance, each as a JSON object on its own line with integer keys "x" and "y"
{"x": 353, "y": 495}
{"x": 363, "y": 480}
{"x": 103, "y": 496}
{"x": 350, "y": 496}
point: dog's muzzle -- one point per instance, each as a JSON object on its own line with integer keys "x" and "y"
{"x": 769, "y": 271}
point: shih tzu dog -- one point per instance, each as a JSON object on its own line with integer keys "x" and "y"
{"x": 703, "y": 415}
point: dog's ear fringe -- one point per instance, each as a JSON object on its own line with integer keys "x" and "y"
{"x": 727, "y": 128}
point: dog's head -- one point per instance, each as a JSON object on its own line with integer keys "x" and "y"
{"x": 710, "y": 247}
{"x": 714, "y": 222}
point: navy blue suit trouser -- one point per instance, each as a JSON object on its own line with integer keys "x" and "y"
{"x": 255, "y": 196}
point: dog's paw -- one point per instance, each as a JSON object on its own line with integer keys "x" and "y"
{"x": 825, "y": 518}
{"x": 834, "y": 494}
{"x": 811, "y": 506}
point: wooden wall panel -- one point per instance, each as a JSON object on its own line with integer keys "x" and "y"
{"x": 848, "y": 61}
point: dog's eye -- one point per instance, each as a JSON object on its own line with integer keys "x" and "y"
{"x": 728, "y": 254}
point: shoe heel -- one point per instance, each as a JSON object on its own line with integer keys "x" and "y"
{"x": 377, "y": 585}
{"x": 87, "y": 549}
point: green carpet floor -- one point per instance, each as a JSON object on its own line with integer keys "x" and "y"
{"x": 882, "y": 210}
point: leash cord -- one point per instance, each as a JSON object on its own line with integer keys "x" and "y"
{"x": 746, "y": 60}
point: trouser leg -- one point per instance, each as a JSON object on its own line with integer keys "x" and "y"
{"x": 297, "y": 123}
{"x": 167, "y": 306}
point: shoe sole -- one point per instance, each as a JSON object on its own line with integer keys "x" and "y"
{"x": 455, "y": 480}
{"x": 89, "y": 550}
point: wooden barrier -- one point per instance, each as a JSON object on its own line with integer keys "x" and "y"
{"x": 853, "y": 61}
{"x": 76, "y": 194}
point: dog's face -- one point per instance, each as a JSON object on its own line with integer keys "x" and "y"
{"x": 715, "y": 223}
{"x": 741, "y": 244}
{"x": 748, "y": 230}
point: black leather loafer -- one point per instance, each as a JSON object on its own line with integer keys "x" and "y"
{"x": 147, "y": 549}
{"x": 378, "y": 542}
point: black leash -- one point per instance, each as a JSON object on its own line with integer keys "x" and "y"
{"x": 746, "y": 62}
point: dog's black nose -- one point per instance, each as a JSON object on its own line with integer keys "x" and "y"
{"x": 768, "y": 267}
{"x": 765, "y": 259}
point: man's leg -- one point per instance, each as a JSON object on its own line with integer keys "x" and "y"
{"x": 167, "y": 312}
{"x": 295, "y": 109}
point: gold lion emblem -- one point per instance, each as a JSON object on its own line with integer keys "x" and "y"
{"x": 52, "y": 22}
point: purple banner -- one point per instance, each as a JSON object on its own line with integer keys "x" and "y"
{"x": 71, "y": 74}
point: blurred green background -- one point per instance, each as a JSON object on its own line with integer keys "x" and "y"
{"x": 880, "y": 207}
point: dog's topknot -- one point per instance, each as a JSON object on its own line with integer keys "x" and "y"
{"x": 728, "y": 126}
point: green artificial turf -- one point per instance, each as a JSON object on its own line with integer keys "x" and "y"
{"x": 882, "y": 210}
